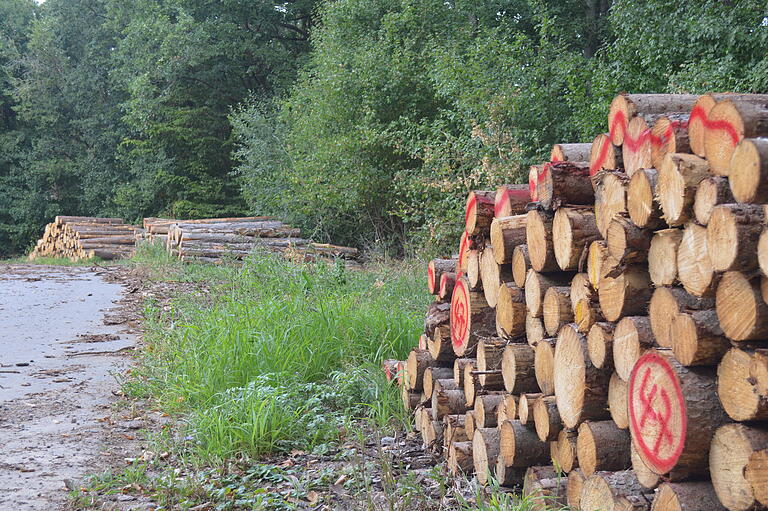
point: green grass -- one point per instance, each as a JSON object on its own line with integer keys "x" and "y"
{"x": 276, "y": 355}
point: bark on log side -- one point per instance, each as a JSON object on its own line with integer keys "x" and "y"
{"x": 538, "y": 235}
{"x": 573, "y": 230}
{"x": 557, "y": 308}
{"x": 510, "y": 311}
{"x": 471, "y": 318}
{"x": 521, "y": 263}
{"x": 544, "y": 365}
{"x": 438, "y": 314}
{"x": 517, "y": 368}
{"x": 737, "y": 390}
{"x": 693, "y": 496}
{"x": 731, "y": 122}
{"x": 733, "y": 232}
{"x": 617, "y": 401}
{"x": 485, "y": 450}
{"x": 642, "y": 206}
{"x": 508, "y": 476}
{"x": 460, "y": 458}
{"x": 580, "y": 387}
{"x": 732, "y": 446}
{"x": 507, "y": 233}
{"x": 711, "y": 192}
{"x": 669, "y": 134}
{"x": 486, "y": 406}
{"x": 511, "y": 200}
{"x": 679, "y": 176}
{"x": 694, "y": 269}
{"x": 614, "y": 491}
{"x": 536, "y": 286}
{"x": 662, "y": 256}
{"x": 493, "y": 275}
{"x": 520, "y": 447}
{"x": 665, "y": 303}
{"x": 448, "y": 402}
{"x": 626, "y": 242}
{"x": 570, "y": 152}
{"x": 741, "y": 310}
{"x": 625, "y": 294}
{"x": 546, "y": 418}
{"x": 410, "y": 399}
{"x": 435, "y": 270}
{"x": 600, "y": 345}
{"x": 625, "y": 107}
{"x": 697, "y": 339}
{"x": 563, "y": 183}
{"x": 418, "y": 361}
{"x": 632, "y": 338}
{"x": 602, "y": 445}
{"x": 603, "y": 155}
{"x": 479, "y": 211}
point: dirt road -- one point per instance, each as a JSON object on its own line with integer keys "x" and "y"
{"x": 61, "y": 354}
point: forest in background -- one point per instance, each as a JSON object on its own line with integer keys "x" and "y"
{"x": 363, "y": 122}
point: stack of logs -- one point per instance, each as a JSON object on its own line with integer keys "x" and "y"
{"x": 214, "y": 240}
{"x": 81, "y": 237}
{"x": 156, "y": 229}
{"x": 602, "y": 336}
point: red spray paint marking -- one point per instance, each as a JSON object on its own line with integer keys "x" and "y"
{"x": 633, "y": 144}
{"x": 431, "y": 279}
{"x": 388, "y": 372}
{"x": 463, "y": 250}
{"x": 595, "y": 166}
{"x": 657, "y": 141}
{"x": 508, "y": 195}
{"x": 471, "y": 204}
{"x": 618, "y": 121}
{"x": 459, "y": 314}
{"x": 443, "y": 284}
{"x": 532, "y": 178}
{"x": 660, "y": 416}
{"x": 699, "y": 113}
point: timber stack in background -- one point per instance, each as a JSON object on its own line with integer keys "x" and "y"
{"x": 80, "y": 237}
{"x": 601, "y": 338}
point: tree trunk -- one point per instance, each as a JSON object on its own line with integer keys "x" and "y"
{"x": 566, "y": 450}
{"x": 711, "y": 192}
{"x": 757, "y": 475}
{"x": 507, "y": 233}
{"x": 564, "y": 183}
{"x": 460, "y": 458}
{"x": 626, "y": 242}
{"x": 438, "y": 314}
{"x": 679, "y": 176}
{"x": 642, "y": 206}
{"x": 636, "y": 149}
{"x": 694, "y": 269}
{"x": 624, "y": 107}
{"x": 473, "y": 270}
{"x": 448, "y": 402}
{"x": 662, "y": 256}
{"x": 570, "y": 152}
{"x": 693, "y": 496}
{"x": 665, "y": 303}
{"x": 486, "y": 406}
{"x": 546, "y": 418}
{"x": 447, "y": 282}
{"x": 489, "y": 355}
{"x": 534, "y": 330}
{"x": 520, "y": 447}
{"x": 573, "y": 230}
{"x": 544, "y": 488}
{"x": 544, "y": 364}
{"x": 738, "y": 391}
{"x": 603, "y": 155}
{"x": 669, "y": 134}
{"x": 573, "y": 488}
{"x": 610, "y": 198}
{"x": 458, "y": 369}
{"x": 536, "y": 286}
{"x": 441, "y": 347}
{"x": 471, "y": 317}
{"x": 485, "y": 450}
{"x": 435, "y": 270}
{"x": 748, "y": 172}
{"x": 614, "y": 491}
{"x": 557, "y": 308}
{"x": 617, "y": 401}
{"x": 493, "y": 275}
{"x": 602, "y": 445}
{"x": 510, "y": 311}
{"x": 600, "y": 345}
{"x": 599, "y": 262}
{"x": 525, "y": 406}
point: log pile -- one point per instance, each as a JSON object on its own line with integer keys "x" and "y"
{"x": 79, "y": 237}
{"x": 214, "y": 240}
{"x": 600, "y": 338}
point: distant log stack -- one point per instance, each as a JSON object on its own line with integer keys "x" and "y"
{"x": 78, "y": 238}
{"x": 623, "y": 339}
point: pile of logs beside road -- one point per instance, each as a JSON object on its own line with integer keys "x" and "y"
{"x": 80, "y": 237}
{"x": 601, "y": 338}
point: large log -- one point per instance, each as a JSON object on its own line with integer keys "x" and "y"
{"x": 748, "y": 172}
{"x": 544, "y": 365}
{"x": 544, "y": 488}
{"x": 517, "y": 369}
{"x": 434, "y": 374}
{"x": 697, "y": 338}
{"x": 711, "y": 192}
{"x": 610, "y": 198}
{"x": 626, "y": 242}
{"x": 581, "y": 388}
{"x": 732, "y": 446}
{"x": 447, "y": 402}
{"x": 485, "y": 450}
{"x": 603, "y": 155}
{"x": 614, "y": 491}
{"x": 737, "y": 389}
{"x": 733, "y": 232}
{"x": 573, "y": 488}
{"x": 599, "y": 262}
{"x": 601, "y": 445}
{"x": 493, "y": 275}
{"x": 557, "y": 308}
{"x": 570, "y": 152}
{"x": 741, "y": 310}
{"x": 617, "y": 401}
{"x": 679, "y": 176}
{"x": 521, "y": 263}
{"x": 662, "y": 256}
{"x": 440, "y": 345}
{"x": 694, "y": 269}
{"x": 538, "y": 235}
{"x": 625, "y": 107}
{"x": 566, "y": 449}
{"x": 534, "y": 330}
{"x": 637, "y": 148}
{"x": 511, "y": 200}
{"x": 546, "y": 418}
{"x": 573, "y": 230}
{"x": 692, "y": 496}
{"x": 460, "y": 458}
{"x": 471, "y": 317}
{"x": 479, "y": 211}
{"x": 625, "y": 294}
{"x": 438, "y": 314}
{"x": 632, "y": 338}
{"x": 510, "y": 311}
{"x": 642, "y": 206}
{"x": 418, "y": 361}
{"x": 506, "y": 233}
{"x": 665, "y": 303}
{"x": 600, "y": 344}
{"x": 536, "y": 286}
{"x": 756, "y": 473}
{"x": 645, "y": 476}
{"x": 520, "y": 447}
{"x": 489, "y": 356}
{"x": 435, "y": 270}
{"x": 486, "y": 406}
{"x": 563, "y": 183}
{"x": 674, "y": 412}
{"x": 669, "y": 134}
{"x": 730, "y": 121}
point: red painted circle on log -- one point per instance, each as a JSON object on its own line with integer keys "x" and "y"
{"x": 459, "y": 314}
{"x": 657, "y": 412}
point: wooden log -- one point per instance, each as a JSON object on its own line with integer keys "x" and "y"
{"x": 599, "y": 262}
{"x": 460, "y": 458}
{"x": 679, "y": 176}
{"x": 473, "y": 271}
{"x": 410, "y": 399}
{"x": 438, "y": 314}
{"x": 732, "y": 236}
{"x": 632, "y": 338}
{"x": 669, "y": 134}
{"x": 626, "y": 294}
{"x": 447, "y": 402}
{"x": 544, "y": 488}
{"x": 610, "y": 198}
{"x": 600, "y": 345}
{"x": 462, "y": 260}
{"x": 674, "y": 412}
{"x": 581, "y": 289}
{"x": 566, "y": 449}
{"x": 510, "y": 311}
{"x": 698, "y": 121}
{"x": 602, "y": 445}
{"x": 732, "y": 446}
{"x": 570, "y": 152}
{"x": 521, "y": 263}
{"x": 489, "y": 355}
{"x": 697, "y": 339}
{"x": 471, "y": 385}
{"x": 485, "y": 450}
{"x": 544, "y": 365}
{"x": 756, "y": 473}
{"x": 479, "y": 211}
{"x": 557, "y": 308}
{"x": 486, "y": 406}
{"x": 573, "y": 230}
{"x": 507, "y": 409}
{"x": 546, "y": 418}
{"x": 390, "y": 368}
{"x": 441, "y": 377}
{"x": 665, "y": 303}
{"x": 435, "y": 270}
{"x": 508, "y": 476}
{"x": 534, "y": 330}
{"x": 662, "y": 256}
{"x": 603, "y": 155}
{"x": 64, "y": 219}
{"x": 447, "y": 283}
{"x": 519, "y": 445}
{"x": 517, "y": 368}
{"x": 730, "y": 122}
{"x": 471, "y": 318}
{"x": 741, "y": 310}
{"x": 459, "y": 365}
{"x": 454, "y": 430}
{"x": 758, "y": 371}
{"x": 533, "y": 181}
{"x": 573, "y": 488}
{"x": 637, "y": 148}
{"x": 625, "y": 107}
{"x": 538, "y": 234}
{"x": 525, "y": 406}
{"x": 711, "y": 192}
{"x": 507, "y": 233}
{"x": 762, "y": 253}
{"x": 748, "y": 171}
{"x": 511, "y": 200}
{"x": 441, "y": 347}
{"x": 738, "y": 391}
{"x": 566, "y": 182}
{"x": 617, "y": 401}
{"x": 581, "y": 388}
{"x": 626, "y": 242}
{"x": 614, "y": 491}
{"x": 694, "y": 269}
{"x": 432, "y": 434}
{"x": 493, "y": 275}
{"x": 691, "y": 496}
{"x": 647, "y": 478}
{"x": 642, "y": 206}
{"x": 536, "y": 286}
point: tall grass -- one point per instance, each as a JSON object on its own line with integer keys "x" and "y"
{"x": 276, "y": 355}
